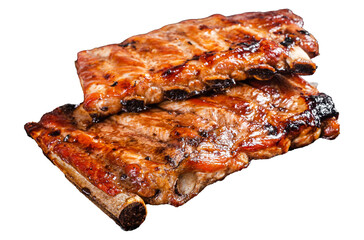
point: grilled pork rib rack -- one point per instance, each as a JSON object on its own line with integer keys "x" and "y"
{"x": 168, "y": 154}
{"x": 169, "y": 112}
{"x": 187, "y": 58}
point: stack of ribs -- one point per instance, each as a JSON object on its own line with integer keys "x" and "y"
{"x": 169, "y": 112}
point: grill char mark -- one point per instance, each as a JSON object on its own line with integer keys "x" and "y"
{"x": 320, "y": 107}
{"x": 134, "y": 105}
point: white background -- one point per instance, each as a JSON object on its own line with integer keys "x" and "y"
{"x": 311, "y": 193}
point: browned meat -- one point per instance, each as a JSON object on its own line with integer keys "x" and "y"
{"x": 190, "y": 57}
{"x": 168, "y": 154}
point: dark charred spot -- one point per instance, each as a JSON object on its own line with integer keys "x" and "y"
{"x": 159, "y": 150}
{"x": 114, "y": 149}
{"x": 168, "y": 158}
{"x": 170, "y": 161}
{"x": 134, "y": 105}
{"x": 272, "y": 130}
{"x": 261, "y": 73}
{"x": 147, "y": 158}
{"x": 232, "y": 21}
{"x": 189, "y": 43}
{"x": 66, "y": 138}
{"x": 88, "y": 149}
{"x": 192, "y": 141}
{"x": 107, "y": 76}
{"x": 95, "y": 117}
{"x": 127, "y": 44}
{"x": 294, "y": 126}
{"x": 86, "y": 191}
{"x": 176, "y": 94}
{"x": 303, "y": 32}
{"x": 166, "y": 73}
{"x": 67, "y": 108}
{"x": 196, "y": 57}
{"x": 203, "y": 27}
{"x": 208, "y": 57}
{"x": 288, "y": 41}
{"x": 114, "y": 84}
{"x": 306, "y": 69}
{"x": 221, "y": 84}
{"x": 282, "y": 109}
{"x": 54, "y": 133}
{"x": 203, "y": 134}
{"x": 151, "y": 70}
{"x": 209, "y": 54}
{"x": 123, "y": 44}
{"x": 249, "y": 45}
{"x": 104, "y": 108}
{"x": 123, "y": 176}
{"x": 322, "y": 106}
{"x": 172, "y": 72}
{"x": 157, "y": 192}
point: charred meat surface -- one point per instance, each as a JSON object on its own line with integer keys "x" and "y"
{"x": 168, "y": 154}
{"x": 184, "y": 59}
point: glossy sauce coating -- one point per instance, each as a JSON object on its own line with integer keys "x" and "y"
{"x": 168, "y": 154}
{"x": 184, "y": 59}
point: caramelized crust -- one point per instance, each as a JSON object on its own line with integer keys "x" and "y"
{"x": 170, "y": 153}
{"x": 184, "y": 59}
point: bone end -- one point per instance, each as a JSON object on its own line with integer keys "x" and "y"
{"x": 132, "y": 216}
